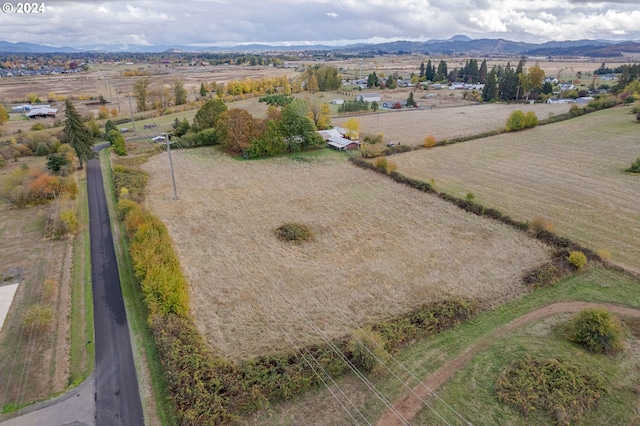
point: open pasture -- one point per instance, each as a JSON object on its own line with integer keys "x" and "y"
{"x": 571, "y": 173}
{"x": 412, "y": 126}
{"x": 381, "y": 248}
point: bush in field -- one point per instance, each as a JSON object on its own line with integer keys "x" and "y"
{"x": 373, "y": 139}
{"x": 530, "y": 119}
{"x": 559, "y": 388}
{"x": 516, "y": 121}
{"x": 429, "y": 141}
{"x": 367, "y": 349}
{"x": 635, "y": 167}
{"x": 540, "y": 224}
{"x": 37, "y": 126}
{"x": 597, "y": 329}
{"x": 38, "y": 317}
{"x": 577, "y": 259}
{"x": 42, "y": 150}
{"x": 295, "y": 233}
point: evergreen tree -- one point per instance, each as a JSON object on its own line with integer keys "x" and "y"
{"x": 422, "y": 69}
{"x": 203, "y": 90}
{"x": 508, "y": 84}
{"x": 442, "y": 72}
{"x": 77, "y": 134}
{"x": 482, "y": 73}
{"x": 430, "y": 71}
{"x": 411, "y": 103}
{"x": 490, "y": 90}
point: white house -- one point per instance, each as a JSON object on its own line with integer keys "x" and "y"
{"x": 337, "y": 101}
{"x": 561, "y": 101}
{"x": 369, "y": 97}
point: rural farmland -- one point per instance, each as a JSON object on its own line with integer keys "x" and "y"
{"x": 570, "y": 173}
{"x": 411, "y": 127}
{"x": 381, "y": 249}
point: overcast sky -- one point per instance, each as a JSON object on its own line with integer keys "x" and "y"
{"x": 337, "y": 22}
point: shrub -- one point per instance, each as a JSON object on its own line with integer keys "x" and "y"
{"x": 470, "y": 196}
{"x": 42, "y": 150}
{"x": 516, "y": 121}
{"x": 577, "y": 259}
{"x": 49, "y": 289}
{"x": 38, "y": 317}
{"x": 294, "y": 232}
{"x": 597, "y": 329}
{"x": 429, "y": 141}
{"x": 367, "y": 349}
{"x": 604, "y": 253}
{"x": 530, "y": 119}
{"x": 562, "y": 390}
{"x": 635, "y": 166}
{"x": 391, "y": 167}
{"x": 373, "y": 139}
{"x": 381, "y": 164}
{"x": 540, "y": 224}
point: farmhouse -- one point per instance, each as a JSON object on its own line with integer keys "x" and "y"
{"x": 369, "y": 97}
{"x": 335, "y": 139}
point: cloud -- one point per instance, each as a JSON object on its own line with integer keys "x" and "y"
{"x": 226, "y": 22}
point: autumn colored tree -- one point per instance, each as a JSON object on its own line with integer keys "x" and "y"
{"x": 77, "y": 134}
{"x": 4, "y": 116}
{"x": 320, "y": 114}
{"x": 237, "y": 129}
{"x": 353, "y": 128}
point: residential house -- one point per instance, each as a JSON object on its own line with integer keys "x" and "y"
{"x": 369, "y": 97}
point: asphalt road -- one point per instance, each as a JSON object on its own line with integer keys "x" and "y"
{"x": 116, "y": 387}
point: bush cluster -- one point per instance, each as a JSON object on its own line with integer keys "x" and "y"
{"x": 577, "y": 259}
{"x": 293, "y": 232}
{"x": 518, "y": 120}
{"x": 635, "y": 166}
{"x": 25, "y": 187}
{"x": 559, "y": 388}
{"x": 133, "y": 179}
{"x": 596, "y": 329}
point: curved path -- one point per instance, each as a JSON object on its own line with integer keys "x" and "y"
{"x": 410, "y": 404}
{"x": 117, "y": 397}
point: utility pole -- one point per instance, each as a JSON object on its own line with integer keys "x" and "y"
{"x": 133, "y": 122}
{"x": 168, "y": 143}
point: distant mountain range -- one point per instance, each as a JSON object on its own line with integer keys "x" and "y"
{"x": 458, "y": 44}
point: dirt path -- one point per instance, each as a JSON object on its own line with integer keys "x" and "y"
{"x": 410, "y": 404}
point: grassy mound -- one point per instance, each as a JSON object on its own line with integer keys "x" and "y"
{"x": 295, "y": 233}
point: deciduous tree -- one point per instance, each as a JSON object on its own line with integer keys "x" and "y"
{"x": 179, "y": 93}
{"x": 208, "y": 114}
{"x": 140, "y": 88}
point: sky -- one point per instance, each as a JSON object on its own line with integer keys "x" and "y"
{"x": 122, "y": 24}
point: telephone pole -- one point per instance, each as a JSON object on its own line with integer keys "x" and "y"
{"x": 168, "y": 143}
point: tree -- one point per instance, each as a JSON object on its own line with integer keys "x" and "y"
{"x": 77, "y": 134}
{"x": 208, "y": 114}
{"x": 203, "y": 90}
{"x": 320, "y": 114}
{"x": 312, "y": 84}
{"x": 108, "y": 126}
{"x": 180, "y": 128}
{"x": 422, "y": 69}
{"x": 441, "y": 74}
{"x": 270, "y": 142}
{"x": 411, "y": 103}
{"x": 483, "y": 72}
{"x": 374, "y": 106}
{"x": 508, "y": 84}
{"x": 140, "y": 92}
{"x": 4, "y": 116}
{"x": 429, "y": 72}
{"x": 536, "y": 76}
{"x": 372, "y": 80}
{"x": 179, "y": 93}
{"x": 297, "y": 129}
{"x": 237, "y": 129}
{"x": 353, "y": 128}
{"x": 490, "y": 89}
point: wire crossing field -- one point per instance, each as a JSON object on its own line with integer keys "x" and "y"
{"x": 571, "y": 173}
{"x": 380, "y": 248}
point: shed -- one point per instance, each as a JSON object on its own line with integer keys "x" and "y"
{"x": 42, "y": 113}
{"x": 369, "y": 97}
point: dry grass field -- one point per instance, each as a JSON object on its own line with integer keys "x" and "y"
{"x": 411, "y": 127}
{"x": 570, "y": 173}
{"x": 34, "y": 364}
{"x": 381, "y": 248}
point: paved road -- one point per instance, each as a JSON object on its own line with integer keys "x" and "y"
{"x": 117, "y": 396}
{"x": 110, "y": 396}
